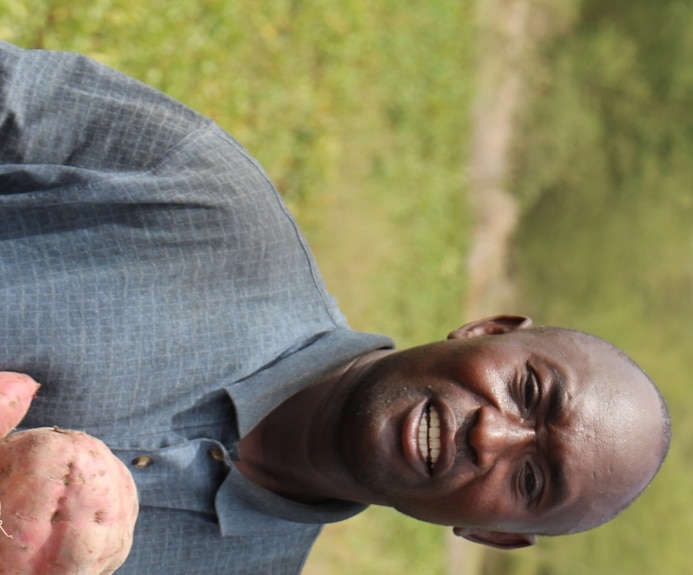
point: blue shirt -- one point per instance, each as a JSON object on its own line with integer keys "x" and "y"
{"x": 154, "y": 282}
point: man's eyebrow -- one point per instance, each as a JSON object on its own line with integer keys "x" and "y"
{"x": 556, "y": 397}
{"x": 555, "y": 413}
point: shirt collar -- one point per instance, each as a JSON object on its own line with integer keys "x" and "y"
{"x": 256, "y": 396}
{"x": 244, "y": 507}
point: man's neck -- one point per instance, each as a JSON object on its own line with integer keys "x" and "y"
{"x": 294, "y": 450}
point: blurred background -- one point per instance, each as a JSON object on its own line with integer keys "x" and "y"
{"x": 452, "y": 158}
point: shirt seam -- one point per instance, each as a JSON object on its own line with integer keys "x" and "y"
{"x": 315, "y": 274}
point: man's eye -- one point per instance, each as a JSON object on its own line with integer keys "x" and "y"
{"x": 530, "y": 390}
{"x": 529, "y": 481}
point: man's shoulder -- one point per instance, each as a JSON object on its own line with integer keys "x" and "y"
{"x": 65, "y": 109}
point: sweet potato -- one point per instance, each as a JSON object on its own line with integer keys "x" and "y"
{"x": 68, "y": 506}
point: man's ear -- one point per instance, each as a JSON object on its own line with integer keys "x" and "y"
{"x": 491, "y": 326}
{"x": 496, "y": 539}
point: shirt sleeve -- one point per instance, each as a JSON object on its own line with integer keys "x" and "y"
{"x": 64, "y": 109}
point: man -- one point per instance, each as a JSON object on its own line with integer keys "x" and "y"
{"x": 157, "y": 287}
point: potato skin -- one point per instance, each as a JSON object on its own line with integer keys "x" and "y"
{"x": 68, "y": 506}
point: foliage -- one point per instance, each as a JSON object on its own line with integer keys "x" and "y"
{"x": 605, "y": 244}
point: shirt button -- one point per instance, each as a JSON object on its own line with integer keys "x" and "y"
{"x": 142, "y": 461}
{"x": 217, "y": 454}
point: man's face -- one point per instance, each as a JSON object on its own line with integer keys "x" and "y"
{"x": 539, "y": 431}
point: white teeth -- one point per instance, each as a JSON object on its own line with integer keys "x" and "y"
{"x": 429, "y": 436}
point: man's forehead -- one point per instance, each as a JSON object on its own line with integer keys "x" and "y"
{"x": 564, "y": 340}
{"x": 582, "y": 361}
{"x": 609, "y": 449}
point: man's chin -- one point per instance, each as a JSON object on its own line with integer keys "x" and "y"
{"x": 374, "y": 469}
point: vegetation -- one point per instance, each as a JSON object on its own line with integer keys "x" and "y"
{"x": 605, "y": 243}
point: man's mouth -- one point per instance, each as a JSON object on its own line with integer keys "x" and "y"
{"x": 429, "y": 436}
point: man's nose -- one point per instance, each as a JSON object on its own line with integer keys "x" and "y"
{"x": 498, "y": 434}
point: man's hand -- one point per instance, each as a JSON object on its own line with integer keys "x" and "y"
{"x": 16, "y": 392}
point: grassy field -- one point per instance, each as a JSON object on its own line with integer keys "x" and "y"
{"x": 359, "y": 112}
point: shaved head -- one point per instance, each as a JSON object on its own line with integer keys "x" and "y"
{"x": 634, "y": 428}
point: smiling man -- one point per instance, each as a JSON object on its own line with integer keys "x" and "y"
{"x": 501, "y": 431}
{"x": 156, "y": 285}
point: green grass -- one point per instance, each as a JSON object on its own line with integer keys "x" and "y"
{"x": 359, "y": 112}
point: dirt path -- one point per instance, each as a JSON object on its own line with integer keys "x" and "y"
{"x": 504, "y": 43}
{"x": 500, "y": 84}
